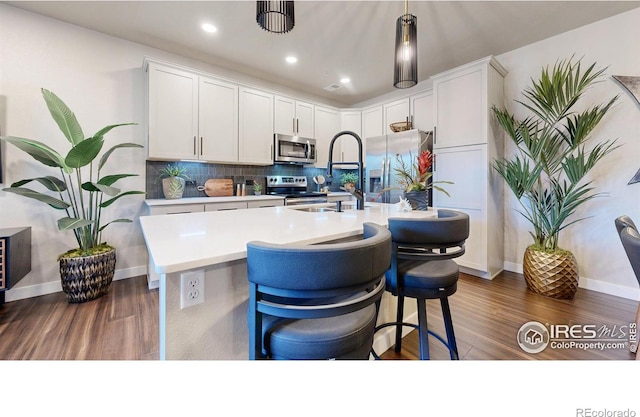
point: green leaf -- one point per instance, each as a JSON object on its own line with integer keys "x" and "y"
{"x": 97, "y": 187}
{"x": 106, "y": 129}
{"x": 111, "y": 179}
{"x": 115, "y": 221}
{"x": 70, "y": 223}
{"x": 39, "y": 151}
{"x": 52, "y": 183}
{"x": 84, "y": 152}
{"x": 64, "y": 117}
{"x": 111, "y": 201}
{"x": 26, "y": 192}
{"x": 106, "y": 155}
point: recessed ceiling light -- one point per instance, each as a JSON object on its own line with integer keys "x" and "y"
{"x": 208, "y": 27}
{"x": 291, "y": 59}
{"x": 345, "y": 80}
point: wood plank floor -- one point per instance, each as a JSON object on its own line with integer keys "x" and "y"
{"x": 124, "y": 323}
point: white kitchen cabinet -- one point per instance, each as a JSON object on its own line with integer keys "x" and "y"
{"x": 463, "y": 98}
{"x": 292, "y": 117}
{"x": 396, "y": 111}
{"x": 327, "y": 126}
{"x": 218, "y": 120}
{"x": 372, "y": 122}
{"x": 228, "y": 205}
{"x": 255, "y": 134}
{"x": 422, "y": 111}
{"x": 477, "y": 190}
{"x": 265, "y": 203}
{"x": 191, "y": 116}
{"x": 173, "y": 113}
{"x": 346, "y": 147}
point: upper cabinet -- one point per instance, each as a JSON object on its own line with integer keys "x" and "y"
{"x": 422, "y": 111}
{"x": 173, "y": 113}
{"x": 397, "y": 111}
{"x": 292, "y": 117}
{"x": 372, "y": 122}
{"x": 256, "y": 126}
{"x": 350, "y": 121}
{"x": 191, "y": 116}
{"x": 463, "y": 98}
{"x": 327, "y": 125}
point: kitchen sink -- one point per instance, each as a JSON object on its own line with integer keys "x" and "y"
{"x": 315, "y": 209}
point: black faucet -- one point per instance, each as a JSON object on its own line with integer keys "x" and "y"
{"x": 358, "y": 193}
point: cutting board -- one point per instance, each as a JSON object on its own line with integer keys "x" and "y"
{"x": 218, "y": 187}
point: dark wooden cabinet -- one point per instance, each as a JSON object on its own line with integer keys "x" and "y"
{"x": 15, "y": 257}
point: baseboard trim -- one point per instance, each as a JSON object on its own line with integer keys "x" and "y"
{"x": 55, "y": 286}
{"x": 629, "y": 293}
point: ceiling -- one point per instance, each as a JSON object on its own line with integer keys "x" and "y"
{"x": 331, "y": 39}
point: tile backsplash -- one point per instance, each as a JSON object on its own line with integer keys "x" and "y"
{"x": 201, "y": 172}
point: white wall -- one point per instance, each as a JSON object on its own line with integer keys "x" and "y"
{"x": 101, "y": 79}
{"x": 611, "y": 43}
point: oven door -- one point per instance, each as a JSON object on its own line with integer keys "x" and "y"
{"x": 294, "y": 150}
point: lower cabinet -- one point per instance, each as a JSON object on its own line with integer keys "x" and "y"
{"x": 477, "y": 191}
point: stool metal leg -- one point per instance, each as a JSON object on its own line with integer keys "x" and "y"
{"x": 399, "y": 317}
{"x": 448, "y": 325}
{"x": 423, "y": 329}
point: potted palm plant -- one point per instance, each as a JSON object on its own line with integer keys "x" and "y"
{"x": 82, "y": 192}
{"x": 173, "y": 181}
{"x": 548, "y": 173}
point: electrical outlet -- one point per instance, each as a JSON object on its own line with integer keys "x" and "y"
{"x": 191, "y": 288}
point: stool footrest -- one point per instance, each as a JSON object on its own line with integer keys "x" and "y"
{"x": 415, "y": 326}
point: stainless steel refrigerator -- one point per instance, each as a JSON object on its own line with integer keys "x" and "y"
{"x": 381, "y": 159}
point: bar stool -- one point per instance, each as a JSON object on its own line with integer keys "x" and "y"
{"x": 422, "y": 268}
{"x": 316, "y": 301}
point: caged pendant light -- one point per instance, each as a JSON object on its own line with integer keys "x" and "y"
{"x": 275, "y": 16}
{"x": 405, "y": 73}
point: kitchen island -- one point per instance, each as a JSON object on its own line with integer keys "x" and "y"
{"x": 210, "y": 247}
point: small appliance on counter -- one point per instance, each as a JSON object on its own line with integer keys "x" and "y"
{"x": 294, "y": 190}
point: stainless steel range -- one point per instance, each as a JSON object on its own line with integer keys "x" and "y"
{"x": 294, "y": 188}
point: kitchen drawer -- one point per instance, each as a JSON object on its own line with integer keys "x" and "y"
{"x": 176, "y": 209}
{"x": 265, "y": 203}
{"x": 231, "y": 205}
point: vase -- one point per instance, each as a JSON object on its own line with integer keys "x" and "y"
{"x": 173, "y": 187}
{"x": 419, "y": 200}
{"x": 85, "y": 278}
{"x": 553, "y": 275}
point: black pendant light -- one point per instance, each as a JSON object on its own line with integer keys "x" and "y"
{"x": 275, "y": 16}
{"x": 405, "y": 73}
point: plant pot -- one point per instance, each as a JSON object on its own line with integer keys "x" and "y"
{"x": 257, "y": 192}
{"x": 419, "y": 200}
{"x": 550, "y": 274}
{"x": 85, "y": 278}
{"x": 173, "y": 187}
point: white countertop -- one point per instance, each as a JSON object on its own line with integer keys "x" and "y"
{"x": 194, "y": 240}
{"x": 205, "y": 200}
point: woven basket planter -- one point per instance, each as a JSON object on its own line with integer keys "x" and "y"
{"x": 551, "y": 275}
{"x": 86, "y": 278}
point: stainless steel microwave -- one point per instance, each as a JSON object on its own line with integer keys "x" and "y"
{"x": 290, "y": 149}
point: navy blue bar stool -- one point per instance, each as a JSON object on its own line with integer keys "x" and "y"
{"x": 422, "y": 268}
{"x": 316, "y": 301}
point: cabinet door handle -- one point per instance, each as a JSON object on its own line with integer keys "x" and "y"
{"x": 293, "y": 126}
{"x": 297, "y": 125}
{"x": 201, "y": 145}
{"x": 434, "y": 135}
{"x": 195, "y": 152}
{"x": 433, "y": 163}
